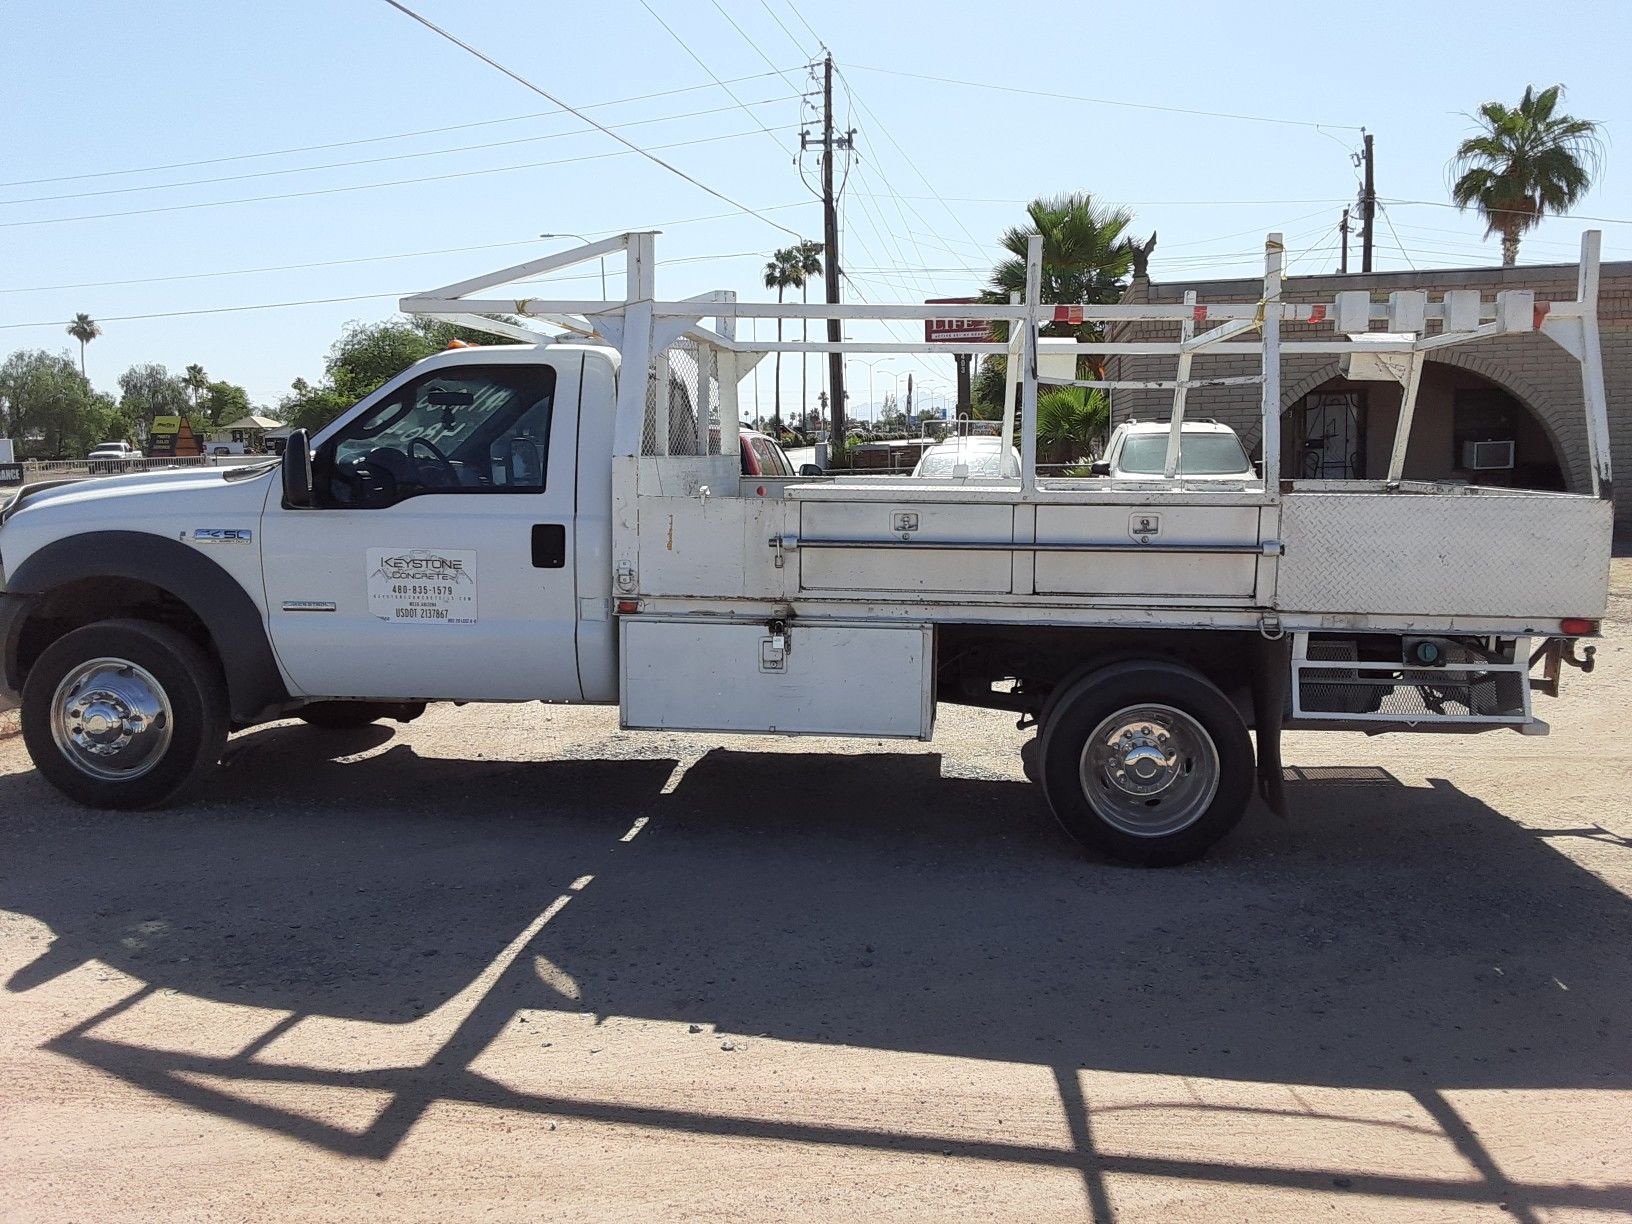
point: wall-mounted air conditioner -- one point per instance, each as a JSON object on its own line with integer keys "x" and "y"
{"x": 1487, "y": 456}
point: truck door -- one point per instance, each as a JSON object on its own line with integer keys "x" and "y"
{"x": 437, "y": 560}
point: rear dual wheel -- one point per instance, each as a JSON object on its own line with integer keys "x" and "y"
{"x": 1147, "y": 762}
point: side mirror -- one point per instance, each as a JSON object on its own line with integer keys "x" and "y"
{"x": 809, "y": 469}
{"x": 1100, "y": 467}
{"x": 297, "y": 471}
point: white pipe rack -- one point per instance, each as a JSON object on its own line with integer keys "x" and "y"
{"x": 643, "y": 328}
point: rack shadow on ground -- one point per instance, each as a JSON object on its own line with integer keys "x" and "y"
{"x": 1390, "y": 937}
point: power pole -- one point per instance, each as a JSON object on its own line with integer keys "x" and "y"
{"x": 830, "y": 237}
{"x": 1343, "y": 228}
{"x": 1368, "y": 204}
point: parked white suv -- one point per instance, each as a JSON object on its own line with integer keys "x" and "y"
{"x": 114, "y": 450}
{"x": 1207, "y": 450}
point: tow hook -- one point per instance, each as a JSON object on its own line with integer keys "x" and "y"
{"x": 1588, "y": 659}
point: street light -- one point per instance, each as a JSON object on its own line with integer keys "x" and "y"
{"x": 585, "y": 241}
{"x": 872, "y": 401}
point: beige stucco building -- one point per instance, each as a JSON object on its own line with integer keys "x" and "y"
{"x": 1521, "y": 389}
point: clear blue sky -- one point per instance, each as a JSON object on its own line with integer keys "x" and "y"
{"x": 100, "y": 86}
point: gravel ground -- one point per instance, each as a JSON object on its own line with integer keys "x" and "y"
{"x": 511, "y": 961}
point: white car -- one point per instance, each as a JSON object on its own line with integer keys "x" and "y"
{"x": 979, "y": 457}
{"x": 1207, "y": 450}
{"x": 114, "y": 450}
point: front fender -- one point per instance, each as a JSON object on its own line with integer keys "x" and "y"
{"x": 255, "y": 687}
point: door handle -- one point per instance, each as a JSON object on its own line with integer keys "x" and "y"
{"x": 549, "y": 545}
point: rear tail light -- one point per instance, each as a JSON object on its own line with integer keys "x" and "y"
{"x": 1577, "y": 626}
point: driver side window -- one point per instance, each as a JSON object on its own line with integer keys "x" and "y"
{"x": 466, "y": 429}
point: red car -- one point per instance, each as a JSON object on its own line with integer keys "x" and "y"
{"x": 761, "y": 456}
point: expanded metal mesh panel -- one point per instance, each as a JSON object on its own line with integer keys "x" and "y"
{"x": 690, "y": 417}
{"x": 1458, "y": 690}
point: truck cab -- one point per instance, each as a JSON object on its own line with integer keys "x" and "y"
{"x": 450, "y": 544}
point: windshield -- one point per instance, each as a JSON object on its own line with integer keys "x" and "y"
{"x": 939, "y": 461}
{"x": 1200, "y": 454}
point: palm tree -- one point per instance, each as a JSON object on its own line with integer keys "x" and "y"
{"x": 809, "y": 255}
{"x": 1526, "y": 162}
{"x": 197, "y": 382}
{"x": 1070, "y": 421}
{"x": 84, "y": 329}
{"x": 1087, "y": 251}
{"x": 782, "y": 272}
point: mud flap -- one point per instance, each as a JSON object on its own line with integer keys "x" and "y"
{"x": 1271, "y": 673}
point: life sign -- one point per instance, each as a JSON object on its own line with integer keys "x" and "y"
{"x": 955, "y": 330}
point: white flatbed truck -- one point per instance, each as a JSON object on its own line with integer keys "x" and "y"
{"x": 564, "y": 519}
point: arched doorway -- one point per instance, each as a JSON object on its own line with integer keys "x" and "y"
{"x": 1466, "y": 427}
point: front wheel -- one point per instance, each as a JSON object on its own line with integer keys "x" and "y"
{"x": 1147, "y": 762}
{"x": 124, "y": 714}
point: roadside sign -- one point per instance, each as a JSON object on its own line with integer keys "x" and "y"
{"x": 166, "y": 425}
{"x": 954, "y": 330}
{"x": 11, "y": 474}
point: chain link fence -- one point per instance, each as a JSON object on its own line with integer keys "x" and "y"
{"x": 682, "y": 402}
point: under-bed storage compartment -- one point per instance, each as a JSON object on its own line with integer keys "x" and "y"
{"x": 694, "y": 674}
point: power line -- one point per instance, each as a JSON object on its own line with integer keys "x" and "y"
{"x": 1410, "y": 263}
{"x": 1014, "y": 200}
{"x": 745, "y": 38}
{"x": 781, "y": 25}
{"x": 176, "y": 314}
{"x": 428, "y": 178}
{"x": 1150, "y": 106}
{"x": 373, "y": 161}
{"x": 1515, "y": 211}
{"x": 330, "y": 263}
{"x": 344, "y": 144}
{"x": 544, "y": 93}
{"x": 355, "y": 297}
{"x": 701, "y": 63}
{"x": 792, "y": 8}
{"x": 907, "y": 157}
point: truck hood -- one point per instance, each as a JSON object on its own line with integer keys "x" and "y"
{"x": 174, "y": 502}
{"x": 112, "y": 490}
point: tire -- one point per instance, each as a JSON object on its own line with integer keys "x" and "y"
{"x": 151, "y": 716}
{"x": 349, "y": 715}
{"x": 1175, "y": 780}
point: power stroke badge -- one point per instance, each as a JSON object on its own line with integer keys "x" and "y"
{"x": 422, "y": 586}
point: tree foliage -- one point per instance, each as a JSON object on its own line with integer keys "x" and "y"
{"x": 1527, "y": 161}
{"x": 789, "y": 268}
{"x": 1087, "y": 254}
{"x": 221, "y": 403}
{"x": 890, "y": 417}
{"x": 1071, "y": 422}
{"x": 366, "y": 356}
{"x": 49, "y": 408}
{"x": 149, "y": 390}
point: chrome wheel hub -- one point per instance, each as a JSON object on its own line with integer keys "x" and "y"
{"x": 1149, "y": 770}
{"x": 111, "y": 719}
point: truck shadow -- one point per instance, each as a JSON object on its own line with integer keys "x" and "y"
{"x": 1391, "y": 937}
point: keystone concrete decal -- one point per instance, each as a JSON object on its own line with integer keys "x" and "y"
{"x": 422, "y": 586}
